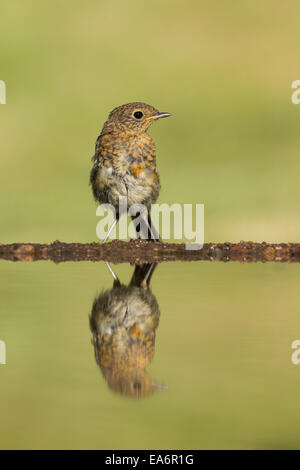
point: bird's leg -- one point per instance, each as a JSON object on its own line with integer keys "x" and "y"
{"x": 115, "y": 277}
{"x": 145, "y": 282}
{"x": 142, "y": 275}
{"x": 153, "y": 232}
{"x": 146, "y": 228}
{"x": 111, "y": 228}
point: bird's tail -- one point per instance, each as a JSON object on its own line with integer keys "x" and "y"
{"x": 142, "y": 275}
{"x": 145, "y": 229}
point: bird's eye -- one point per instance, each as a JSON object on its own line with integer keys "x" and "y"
{"x": 138, "y": 114}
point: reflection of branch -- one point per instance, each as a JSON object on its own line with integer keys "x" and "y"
{"x": 142, "y": 251}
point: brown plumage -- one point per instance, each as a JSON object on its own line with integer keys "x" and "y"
{"x": 123, "y": 323}
{"x": 124, "y": 160}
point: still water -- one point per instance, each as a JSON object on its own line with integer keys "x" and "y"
{"x": 200, "y": 360}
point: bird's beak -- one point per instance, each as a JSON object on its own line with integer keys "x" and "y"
{"x": 160, "y": 115}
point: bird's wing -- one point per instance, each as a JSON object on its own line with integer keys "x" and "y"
{"x": 102, "y": 147}
{"x": 97, "y": 153}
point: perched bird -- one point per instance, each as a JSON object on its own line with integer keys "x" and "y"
{"x": 123, "y": 323}
{"x": 124, "y": 160}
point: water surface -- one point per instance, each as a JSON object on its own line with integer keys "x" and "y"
{"x": 222, "y": 352}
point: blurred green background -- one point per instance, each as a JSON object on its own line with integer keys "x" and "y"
{"x": 224, "y": 70}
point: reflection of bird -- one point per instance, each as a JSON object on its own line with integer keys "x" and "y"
{"x": 124, "y": 160}
{"x": 123, "y": 323}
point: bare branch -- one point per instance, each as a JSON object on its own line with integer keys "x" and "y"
{"x": 142, "y": 251}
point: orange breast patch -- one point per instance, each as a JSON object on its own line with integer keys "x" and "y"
{"x": 136, "y": 169}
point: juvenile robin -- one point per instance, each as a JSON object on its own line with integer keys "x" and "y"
{"x": 123, "y": 322}
{"x": 124, "y": 160}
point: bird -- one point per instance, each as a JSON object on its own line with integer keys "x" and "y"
{"x": 123, "y": 323}
{"x": 124, "y": 163}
